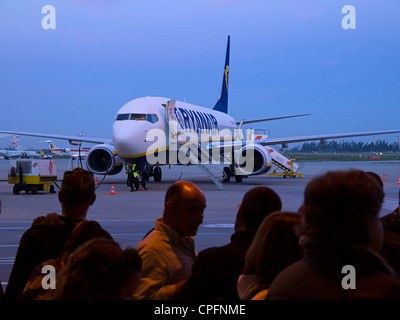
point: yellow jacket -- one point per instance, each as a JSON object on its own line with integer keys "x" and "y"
{"x": 167, "y": 259}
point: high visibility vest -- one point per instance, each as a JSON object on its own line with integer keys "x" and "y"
{"x": 133, "y": 170}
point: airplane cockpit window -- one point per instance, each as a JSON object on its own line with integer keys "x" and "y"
{"x": 122, "y": 116}
{"x": 138, "y": 116}
{"x": 152, "y": 118}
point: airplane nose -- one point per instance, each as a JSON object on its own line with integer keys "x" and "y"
{"x": 128, "y": 140}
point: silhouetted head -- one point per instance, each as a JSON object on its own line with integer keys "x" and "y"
{"x": 183, "y": 208}
{"x": 257, "y": 203}
{"x": 99, "y": 270}
{"x": 275, "y": 246}
{"x": 77, "y": 191}
{"x": 341, "y": 208}
{"x": 376, "y": 177}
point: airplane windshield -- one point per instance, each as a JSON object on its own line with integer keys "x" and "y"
{"x": 152, "y": 118}
{"x": 122, "y": 116}
{"x": 138, "y": 116}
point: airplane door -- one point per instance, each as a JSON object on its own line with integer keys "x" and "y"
{"x": 172, "y": 121}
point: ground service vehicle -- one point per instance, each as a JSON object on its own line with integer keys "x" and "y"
{"x": 32, "y": 175}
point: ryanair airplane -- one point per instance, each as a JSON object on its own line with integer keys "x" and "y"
{"x": 156, "y": 131}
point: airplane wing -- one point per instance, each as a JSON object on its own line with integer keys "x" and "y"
{"x": 265, "y": 141}
{"x": 76, "y": 140}
{"x": 284, "y": 141}
{"x": 270, "y": 119}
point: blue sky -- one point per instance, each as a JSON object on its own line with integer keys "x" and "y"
{"x": 287, "y": 57}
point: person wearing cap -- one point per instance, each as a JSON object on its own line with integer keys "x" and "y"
{"x": 46, "y": 237}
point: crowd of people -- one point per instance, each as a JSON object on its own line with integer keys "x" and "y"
{"x": 334, "y": 247}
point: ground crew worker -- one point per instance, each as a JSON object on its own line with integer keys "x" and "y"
{"x": 129, "y": 176}
{"x": 135, "y": 173}
{"x": 132, "y": 176}
{"x": 144, "y": 175}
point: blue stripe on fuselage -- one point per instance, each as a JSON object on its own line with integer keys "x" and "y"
{"x": 196, "y": 120}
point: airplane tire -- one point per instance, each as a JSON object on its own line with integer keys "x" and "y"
{"x": 157, "y": 174}
{"x": 228, "y": 174}
{"x": 238, "y": 178}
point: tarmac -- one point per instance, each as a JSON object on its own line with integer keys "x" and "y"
{"x": 128, "y": 216}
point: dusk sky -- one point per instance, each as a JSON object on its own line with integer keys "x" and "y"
{"x": 287, "y": 57}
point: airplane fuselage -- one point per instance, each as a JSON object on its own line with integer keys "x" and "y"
{"x": 136, "y": 118}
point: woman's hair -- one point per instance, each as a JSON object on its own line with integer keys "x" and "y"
{"x": 274, "y": 247}
{"x": 97, "y": 270}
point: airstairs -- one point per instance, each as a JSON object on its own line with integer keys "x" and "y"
{"x": 212, "y": 167}
{"x": 288, "y": 166}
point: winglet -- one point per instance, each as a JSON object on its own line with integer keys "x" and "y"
{"x": 222, "y": 103}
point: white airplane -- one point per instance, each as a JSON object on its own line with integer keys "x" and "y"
{"x": 15, "y": 153}
{"x": 146, "y": 130}
{"x": 66, "y": 151}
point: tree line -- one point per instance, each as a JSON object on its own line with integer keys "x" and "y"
{"x": 347, "y": 146}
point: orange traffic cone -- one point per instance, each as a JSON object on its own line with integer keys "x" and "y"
{"x": 384, "y": 178}
{"x": 112, "y": 189}
{"x": 96, "y": 183}
{"x": 399, "y": 181}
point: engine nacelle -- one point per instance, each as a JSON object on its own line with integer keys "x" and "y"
{"x": 66, "y": 149}
{"x": 253, "y": 159}
{"x": 103, "y": 159}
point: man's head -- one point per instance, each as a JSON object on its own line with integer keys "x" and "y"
{"x": 183, "y": 208}
{"x": 341, "y": 208}
{"x": 77, "y": 191}
{"x": 257, "y": 203}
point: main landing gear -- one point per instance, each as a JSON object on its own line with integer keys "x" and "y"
{"x": 156, "y": 173}
{"x": 229, "y": 172}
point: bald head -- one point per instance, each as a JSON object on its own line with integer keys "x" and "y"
{"x": 181, "y": 189}
{"x": 184, "y": 207}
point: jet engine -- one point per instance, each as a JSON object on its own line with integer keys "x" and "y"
{"x": 253, "y": 159}
{"x": 103, "y": 159}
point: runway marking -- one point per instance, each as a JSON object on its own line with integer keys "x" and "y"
{"x": 7, "y": 261}
{"x": 211, "y": 233}
{"x": 142, "y": 234}
{"x": 218, "y": 225}
{"x": 128, "y": 191}
{"x": 390, "y": 203}
{"x": 8, "y": 245}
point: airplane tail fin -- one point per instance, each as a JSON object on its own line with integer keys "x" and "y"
{"x": 222, "y": 103}
{"x": 51, "y": 144}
